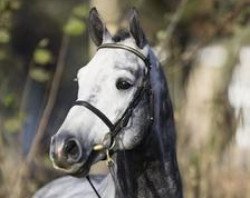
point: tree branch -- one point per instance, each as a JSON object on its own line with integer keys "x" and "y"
{"x": 51, "y": 101}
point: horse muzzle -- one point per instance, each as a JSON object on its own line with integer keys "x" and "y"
{"x": 65, "y": 152}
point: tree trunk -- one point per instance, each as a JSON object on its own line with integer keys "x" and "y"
{"x": 239, "y": 97}
{"x": 207, "y": 124}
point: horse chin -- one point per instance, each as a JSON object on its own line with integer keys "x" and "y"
{"x": 84, "y": 169}
{"x": 81, "y": 171}
{"x": 71, "y": 170}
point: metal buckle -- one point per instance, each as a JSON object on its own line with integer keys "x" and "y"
{"x": 98, "y": 147}
{"x": 106, "y": 143}
{"x": 109, "y": 161}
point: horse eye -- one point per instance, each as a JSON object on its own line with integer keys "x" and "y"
{"x": 122, "y": 84}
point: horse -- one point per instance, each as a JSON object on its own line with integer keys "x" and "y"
{"x": 123, "y": 115}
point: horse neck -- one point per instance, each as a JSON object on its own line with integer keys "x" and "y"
{"x": 146, "y": 173}
{"x": 151, "y": 169}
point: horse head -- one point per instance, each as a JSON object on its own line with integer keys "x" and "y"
{"x": 113, "y": 102}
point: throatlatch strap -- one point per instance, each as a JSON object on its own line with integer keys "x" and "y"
{"x": 97, "y": 112}
{"x": 93, "y": 187}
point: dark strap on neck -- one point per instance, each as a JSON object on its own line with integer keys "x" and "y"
{"x": 93, "y": 187}
{"x": 125, "y": 47}
{"x": 97, "y": 112}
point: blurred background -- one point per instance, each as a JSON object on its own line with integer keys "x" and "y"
{"x": 204, "y": 48}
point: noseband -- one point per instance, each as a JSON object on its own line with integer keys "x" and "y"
{"x": 114, "y": 129}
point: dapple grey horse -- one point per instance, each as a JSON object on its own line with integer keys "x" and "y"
{"x": 123, "y": 114}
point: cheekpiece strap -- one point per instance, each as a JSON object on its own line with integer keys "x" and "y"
{"x": 97, "y": 112}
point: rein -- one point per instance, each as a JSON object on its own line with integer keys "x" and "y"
{"x": 109, "y": 141}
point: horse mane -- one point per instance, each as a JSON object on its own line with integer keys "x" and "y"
{"x": 164, "y": 126}
{"x": 151, "y": 170}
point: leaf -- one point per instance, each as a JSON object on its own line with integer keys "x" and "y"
{"x": 13, "y": 125}
{"x": 74, "y": 27}
{"x": 3, "y": 5}
{"x": 81, "y": 11}
{"x": 15, "y": 5}
{"x": 39, "y": 74}
{"x": 8, "y": 100}
{"x": 43, "y": 43}
{"x": 161, "y": 35}
{"x": 4, "y": 36}
{"x": 42, "y": 56}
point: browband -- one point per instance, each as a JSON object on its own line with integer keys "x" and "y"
{"x": 125, "y": 47}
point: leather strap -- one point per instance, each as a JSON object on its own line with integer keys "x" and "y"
{"x": 97, "y": 112}
{"x": 125, "y": 47}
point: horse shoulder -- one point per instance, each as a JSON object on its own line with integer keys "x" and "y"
{"x": 68, "y": 186}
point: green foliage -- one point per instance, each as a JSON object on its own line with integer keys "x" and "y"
{"x": 4, "y": 36}
{"x": 43, "y": 43}
{"x": 39, "y": 74}
{"x": 8, "y": 100}
{"x": 81, "y": 11}
{"x": 13, "y": 124}
{"x": 9, "y": 4}
{"x": 74, "y": 27}
{"x": 161, "y": 35}
{"x": 6, "y": 10}
{"x": 42, "y": 56}
{"x": 3, "y": 4}
{"x": 244, "y": 16}
{"x": 15, "y": 4}
{"x": 191, "y": 10}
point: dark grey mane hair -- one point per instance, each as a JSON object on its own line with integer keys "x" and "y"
{"x": 153, "y": 163}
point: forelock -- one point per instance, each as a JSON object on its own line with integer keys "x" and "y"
{"x": 121, "y": 35}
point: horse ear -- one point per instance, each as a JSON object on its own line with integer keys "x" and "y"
{"x": 135, "y": 28}
{"x": 97, "y": 30}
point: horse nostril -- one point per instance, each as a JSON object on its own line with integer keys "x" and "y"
{"x": 72, "y": 150}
